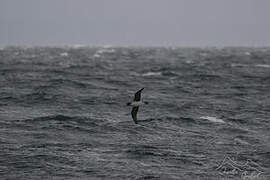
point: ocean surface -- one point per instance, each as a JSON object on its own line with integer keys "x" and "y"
{"x": 63, "y": 113}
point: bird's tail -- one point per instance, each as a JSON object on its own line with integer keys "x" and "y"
{"x": 129, "y": 103}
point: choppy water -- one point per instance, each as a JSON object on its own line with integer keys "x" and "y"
{"x": 63, "y": 113}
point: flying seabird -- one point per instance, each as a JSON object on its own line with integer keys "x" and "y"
{"x": 135, "y": 105}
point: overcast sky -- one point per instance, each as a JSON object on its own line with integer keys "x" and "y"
{"x": 135, "y": 22}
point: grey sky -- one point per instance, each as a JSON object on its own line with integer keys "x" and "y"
{"x": 135, "y": 22}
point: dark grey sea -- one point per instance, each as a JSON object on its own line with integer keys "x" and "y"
{"x": 63, "y": 113}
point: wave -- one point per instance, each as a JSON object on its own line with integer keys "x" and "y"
{"x": 234, "y": 130}
{"x": 152, "y": 74}
{"x": 240, "y": 141}
{"x": 81, "y": 123}
{"x": 212, "y": 119}
{"x": 160, "y": 73}
{"x": 250, "y": 65}
{"x": 51, "y": 117}
{"x": 263, "y": 65}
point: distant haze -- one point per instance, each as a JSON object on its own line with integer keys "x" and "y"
{"x": 135, "y": 22}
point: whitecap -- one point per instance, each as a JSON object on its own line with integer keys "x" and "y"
{"x": 100, "y": 51}
{"x": 263, "y": 65}
{"x": 212, "y": 119}
{"x": 189, "y": 61}
{"x": 152, "y": 74}
{"x": 64, "y": 54}
{"x": 106, "y": 50}
{"x": 96, "y": 55}
{"x": 247, "y": 53}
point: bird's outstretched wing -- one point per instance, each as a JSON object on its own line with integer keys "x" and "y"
{"x": 134, "y": 114}
{"x": 137, "y": 96}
